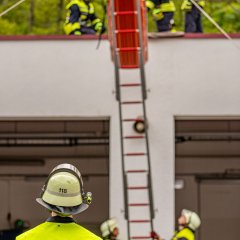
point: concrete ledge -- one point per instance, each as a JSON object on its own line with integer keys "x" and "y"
{"x": 210, "y": 35}
{"x": 104, "y": 37}
{"x": 50, "y": 37}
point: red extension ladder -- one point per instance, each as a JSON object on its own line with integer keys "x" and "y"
{"x": 128, "y": 41}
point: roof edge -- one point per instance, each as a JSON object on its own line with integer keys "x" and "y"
{"x": 105, "y": 36}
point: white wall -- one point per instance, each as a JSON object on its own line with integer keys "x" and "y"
{"x": 186, "y": 77}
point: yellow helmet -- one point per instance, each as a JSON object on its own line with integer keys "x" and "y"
{"x": 63, "y": 191}
{"x": 192, "y": 219}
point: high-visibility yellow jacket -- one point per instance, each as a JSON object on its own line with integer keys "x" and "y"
{"x": 187, "y": 4}
{"x": 184, "y": 234}
{"x": 58, "y": 228}
{"x": 164, "y": 5}
{"x": 80, "y": 14}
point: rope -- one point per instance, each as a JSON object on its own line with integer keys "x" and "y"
{"x": 12, "y": 7}
{"x": 214, "y": 23}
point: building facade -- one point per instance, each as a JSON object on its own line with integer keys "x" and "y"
{"x": 187, "y": 79}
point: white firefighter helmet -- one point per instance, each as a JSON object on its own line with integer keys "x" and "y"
{"x": 63, "y": 191}
{"x": 108, "y": 226}
{"x": 192, "y": 219}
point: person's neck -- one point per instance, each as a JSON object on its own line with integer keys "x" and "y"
{"x": 53, "y": 214}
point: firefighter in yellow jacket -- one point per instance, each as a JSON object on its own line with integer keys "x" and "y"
{"x": 188, "y": 223}
{"x": 81, "y": 19}
{"x": 193, "y": 16}
{"x": 163, "y": 13}
{"x": 64, "y": 197}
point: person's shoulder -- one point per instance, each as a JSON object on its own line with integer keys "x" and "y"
{"x": 77, "y": 3}
{"x": 29, "y": 233}
{"x": 185, "y": 234}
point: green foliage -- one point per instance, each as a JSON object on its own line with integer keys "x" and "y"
{"x": 48, "y": 16}
{"x": 8, "y": 28}
{"x": 45, "y": 17}
{"x": 226, "y": 14}
{"x": 17, "y": 19}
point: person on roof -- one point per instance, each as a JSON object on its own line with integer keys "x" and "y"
{"x": 81, "y": 19}
{"x": 193, "y": 19}
{"x": 163, "y": 14}
{"x": 63, "y": 196}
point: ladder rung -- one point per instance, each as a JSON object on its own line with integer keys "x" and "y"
{"x": 135, "y": 154}
{"x": 126, "y": 49}
{"x": 132, "y": 119}
{"x": 129, "y": 66}
{"x": 130, "y": 85}
{"x": 127, "y": 31}
{"x": 139, "y": 221}
{"x": 138, "y": 204}
{"x": 134, "y": 137}
{"x": 136, "y": 171}
{"x": 129, "y": 120}
{"x": 141, "y": 237}
{"x": 125, "y": 13}
{"x": 132, "y": 102}
{"x": 137, "y": 188}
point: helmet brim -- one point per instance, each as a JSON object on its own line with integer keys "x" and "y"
{"x": 63, "y": 210}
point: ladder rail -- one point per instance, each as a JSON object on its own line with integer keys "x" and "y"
{"x": 141, "y": 54}
{"x": 149, "y": 165}
{"x": 144, "y": 93}
{"x": 125, "y": 182}
{"x": 118, "y": 98}
{"x": 116, "y": 58}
